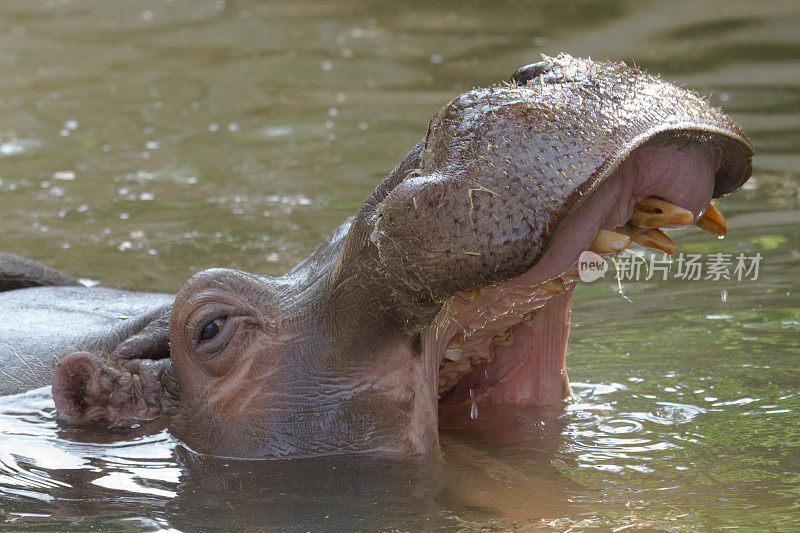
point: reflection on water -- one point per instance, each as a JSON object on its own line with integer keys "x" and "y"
{"x": 141, "y": 142}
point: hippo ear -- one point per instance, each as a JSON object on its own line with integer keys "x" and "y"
{"x": 86, "y": 392}
{"x": 530, "y": 72}
{"x": 151, "y": 342}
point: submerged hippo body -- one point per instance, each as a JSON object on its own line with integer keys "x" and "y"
{"x": 41, "y": 325}
{"x": 452, "y": 283}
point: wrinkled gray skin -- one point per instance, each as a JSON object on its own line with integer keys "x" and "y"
{"x": 338, "y": 355}
{"x": 46, "y": 315}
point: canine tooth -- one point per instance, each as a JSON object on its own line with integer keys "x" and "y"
{"x": 529, "y": 317}
{"x": 654, "y": 212}
{"x": 655, "y": 238}
{"x": 505, "y": 339}
{"x": 554, "y": 286}
{"x": 609, "y": 242}
{"x": 629, "y": 229}
{"x": 713, "y": 222}
{"x": 453, "y": 350}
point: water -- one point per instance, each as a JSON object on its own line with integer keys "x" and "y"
{"x": 143, "y": 141}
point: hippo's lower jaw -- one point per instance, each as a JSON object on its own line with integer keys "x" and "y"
{"x": 506, "y": 343}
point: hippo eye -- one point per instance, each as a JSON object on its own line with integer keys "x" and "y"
{"x": 211, "y": 329}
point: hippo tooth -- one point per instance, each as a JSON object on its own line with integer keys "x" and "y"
{"x": 554, "y": 286}
{"x": 505, "y": 339}
{"x": 453, "y": 350}
{"x": 713, "y": 222}
{"x": 472, "y": 294}
{"x": 656, "y": 213}
{"x": 657, "y": 239}
{"x": 609, "y": 242}
{"x": 452, "y": 354}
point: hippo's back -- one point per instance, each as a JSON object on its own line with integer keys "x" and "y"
{"x": 40, "y": 325}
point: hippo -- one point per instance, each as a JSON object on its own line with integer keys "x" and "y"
{"x": 451, "y": 285}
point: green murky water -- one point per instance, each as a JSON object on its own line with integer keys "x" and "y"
{"x": 143, "y": 141}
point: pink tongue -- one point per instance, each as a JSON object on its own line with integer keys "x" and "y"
{"x": 532, "y": 370}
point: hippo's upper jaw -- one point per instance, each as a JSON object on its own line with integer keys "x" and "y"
{"x": 506, "y": 343}
{"x": 453, "y": 281}
{"x": 514, "y": 183}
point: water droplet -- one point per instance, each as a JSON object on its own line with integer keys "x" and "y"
{"x": 473, "y": 411}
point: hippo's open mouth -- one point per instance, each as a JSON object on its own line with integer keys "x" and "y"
{"x": 506, "y": 343}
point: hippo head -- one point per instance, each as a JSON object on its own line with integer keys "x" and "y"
{"x": 452, "y": 284}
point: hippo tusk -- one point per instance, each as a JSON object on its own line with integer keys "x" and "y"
{"x": 609, "y": 242}
{"x": 656, "y": 213}
{"x": 713, "y": 222}
{"x": 657, "y": 239}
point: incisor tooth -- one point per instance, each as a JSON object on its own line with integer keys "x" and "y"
{"x": 609, "y": 242}
{"x": 554, "y": 286}
{"x": 453, "y": 350}
{"x": 452, "y": 354}
{"x": 654, "y": 212}
{"x": 713, "y": 222}
{"x": 655, "y": 238}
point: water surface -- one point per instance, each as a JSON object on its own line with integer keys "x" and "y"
{"x": 143, "y": 141}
